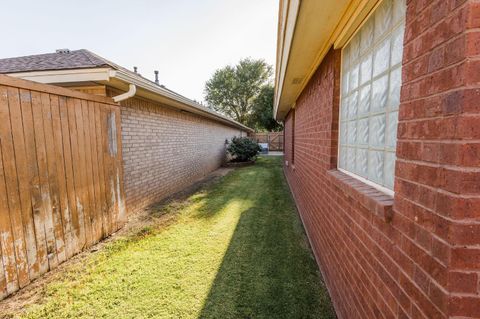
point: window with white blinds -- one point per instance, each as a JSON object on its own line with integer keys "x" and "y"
{"x": 370, "y": 95}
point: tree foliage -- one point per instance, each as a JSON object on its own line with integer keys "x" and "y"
{"x": 262, "y": 112}
{"x": 232, "y": 90}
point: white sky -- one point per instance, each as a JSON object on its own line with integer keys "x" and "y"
{"x": 186, "y": 40}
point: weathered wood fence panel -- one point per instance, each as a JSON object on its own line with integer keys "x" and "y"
{"x": 274, "y": 139}
{"x": 61, "y": 179}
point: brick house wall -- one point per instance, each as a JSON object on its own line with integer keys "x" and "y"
{"x": 416, "y": 254}
{"x": 165, "y": 149}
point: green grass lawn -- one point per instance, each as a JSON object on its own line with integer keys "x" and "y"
{"x": 235, "y": 250}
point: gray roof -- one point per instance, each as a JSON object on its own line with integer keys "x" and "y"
{"x": 76, "y": 59}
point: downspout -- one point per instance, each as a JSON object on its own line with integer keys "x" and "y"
{"x": 132, "y": 89}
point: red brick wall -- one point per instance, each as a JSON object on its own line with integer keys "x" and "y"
{"x": 165, "y": 150}
{"x": 421, "y": 257}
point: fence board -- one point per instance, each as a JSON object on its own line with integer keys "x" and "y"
{"x": 6, "y": 238}
{"x": 77, "y": 195}
{"x": 83, "y": 174}
{"x": 41, "y": 263}
{"x": 122, "y": 213}
{"x": 64, "y": 209}
{"x": 11, "y": 183}
{"x": 110, "y": 198}
{"x": 88, "y": 172}
{"x": 95, "y": 175}
{"x": 54, "y": 217}
{"x": 21, "y": 160}
{"x": 100, "y": 152}
{"x": 3, "y": 281}
{"x": 60, "y": 177}
{"x": 38, "y": 100}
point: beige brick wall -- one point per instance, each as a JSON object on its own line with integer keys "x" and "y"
{"x": 165, "y": 150}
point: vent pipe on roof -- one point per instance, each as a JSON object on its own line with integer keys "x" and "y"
{"x": 62, "y": 51}
{"x": 156, "y": 77}
{"x": 135, "y": 69}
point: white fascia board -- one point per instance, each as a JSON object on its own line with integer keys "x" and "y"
{"x": 65, "y": 76}
{"x": 289, "y": 28}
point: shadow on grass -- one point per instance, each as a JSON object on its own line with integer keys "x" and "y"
{"x": 236, "y": 250}
{"x": 268, "y": 270}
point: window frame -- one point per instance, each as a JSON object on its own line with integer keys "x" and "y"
{"x": 358, "y": 29}
{"x": 379, "y": 187}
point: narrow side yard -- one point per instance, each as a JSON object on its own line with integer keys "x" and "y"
{"x": 234, "y": 250}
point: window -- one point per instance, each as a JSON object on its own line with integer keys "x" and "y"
{"x": 370, "y": 95}
{"x": 293, "y": 136}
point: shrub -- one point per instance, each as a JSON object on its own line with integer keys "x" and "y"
{"x": 243, "y": 149}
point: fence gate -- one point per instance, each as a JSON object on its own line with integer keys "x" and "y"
{"x": 274, "y": 139}
{"x": 61, "y": 179}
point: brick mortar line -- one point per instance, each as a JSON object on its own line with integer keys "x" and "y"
{"x": 440, "y": 117}
{"x": 432, "y": 26}
{"x": 433, "y": 73}
{"x": 453, "y": 221}
{"x": 456, "y": 168}
{"x": 440, "y": 190}
{"x": 429, "y": 52}
{"x": 442, "y": 44}
{"x": 440, "y": 141}
{"x": 455, "y": 89}
{"x": 461, "y": 223}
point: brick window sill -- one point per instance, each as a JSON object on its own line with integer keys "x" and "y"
{"x": 375, "y": 201}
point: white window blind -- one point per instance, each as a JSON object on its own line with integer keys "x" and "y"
{"x": 370, "y": 95}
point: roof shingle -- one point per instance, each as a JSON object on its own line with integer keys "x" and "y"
{"x": 76, "y": 59}
{"x": 84, "y": 59}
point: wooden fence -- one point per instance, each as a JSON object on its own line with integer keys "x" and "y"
{"x": 274, "y": 139}
{"x": 61, "y": 179}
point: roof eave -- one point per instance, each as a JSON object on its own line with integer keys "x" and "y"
{"x": 121, "y": 79}
{"x": 165, "y": 96}
{"x": 309, "y": 30}
{"x": 65, "y": 76}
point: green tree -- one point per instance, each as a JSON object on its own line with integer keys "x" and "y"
{"x": 262, "y": 113}
{"x": 232, "y": 90}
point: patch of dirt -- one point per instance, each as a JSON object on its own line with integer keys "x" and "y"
{"x": 239, "y": 163}
{"x": 156, "y": 215}
{"x": 138, "y": 224}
